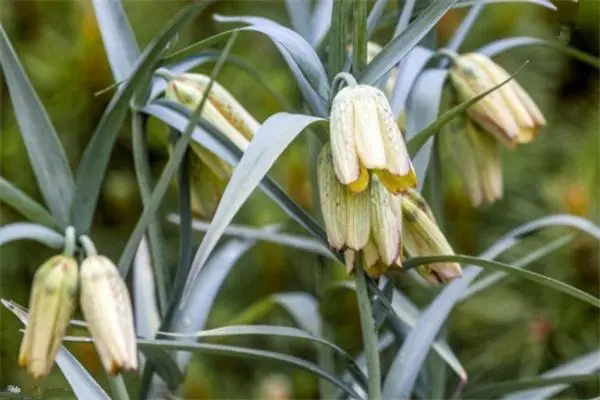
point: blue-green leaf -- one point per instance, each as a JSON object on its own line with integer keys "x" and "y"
{"x": 269, "y": 143}
{"x": 401, "y": 45}
{"x": 28, "y": 207}
{"x": 121, "y": 48}
{"x": 28, "y": 231}
{"x": 46, "y": 153}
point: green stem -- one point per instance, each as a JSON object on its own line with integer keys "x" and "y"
{"x": 359, "y": 37}
{"x": 144, "y": 179}
{"x": 88, "y": 245}
{"x": 69, "y": 241}
{"x": 369, "y": 333}
{"x": 118, "y": 388}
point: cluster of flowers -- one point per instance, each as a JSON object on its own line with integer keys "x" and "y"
{"x": 366, "y": 183}
{"x": 105, "y": 305}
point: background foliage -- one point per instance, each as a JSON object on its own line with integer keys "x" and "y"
{"x": 513, "y": 330}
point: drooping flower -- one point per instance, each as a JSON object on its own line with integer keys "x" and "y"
{"x": 476, "y": 155}
{"x": 366, "y": 138}
{"x": 107, "y": 309}
{"x": 52, "y": 302}
{"x": 422, "y": 237}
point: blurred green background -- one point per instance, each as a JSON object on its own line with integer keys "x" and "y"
{"x": 515, "y": 329}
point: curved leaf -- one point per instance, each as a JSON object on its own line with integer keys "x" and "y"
{"x": 297, "y": 48}
{"x": 24, "y": 204}
{"x": 97, "y": 154}
{"x": 82, "y": 383}
{"x": 299, "y": 13}
{"x": 399, "y": 47}
{"x": 375, "y": 15}
{"x": 46, "y": 154}
{"x": 585, "y": 364}
{"x": 535, "y": 255}
{"x": 252, "y": 354}
{"x": 39, "y": 233}
{"x": 495, "y": 265}
{"x": 400, "y": 380}
{"x": 408, "y": 71}
{"x": 271, "y": 140}
{"x": 121, "y": 48}
{"x": 499, "y": 46}
{"x": 320, "y": 21}
{"x": 468, "y": 3}
{"x": 147, "y": 319}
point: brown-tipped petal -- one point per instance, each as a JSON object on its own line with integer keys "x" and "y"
{"x": 422, "y": 237}
{"x": 107, "y": 309}
{"x": 343, "y": 147}
{"x": 349, "y": 260}
{"x": 384, "y": 225}
{"x": 372, "y": 263}
{"x": 51, "y": 305}
{"x": 332, "y": 196}
{"x": 358, "y": 220}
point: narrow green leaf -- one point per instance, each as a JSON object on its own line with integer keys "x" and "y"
{"x": 395, "y": 51}
{"x": 25, "y": 230}
{"x": 248, "y": 232}
{"x": 585, "y": 364}
{"x": 269, "y": 143}
{"x": 464, "y": 28}
{"x": 25, "y": 205}
{"x": 416, "y": 142}
{"x": 83, "y": 384}
{"x": 535, "y": 255}
{"x": 120, "y": 44}
{"x": 400, "y": 379}
{"x": 404, "y": 19}
{"x": 45, "y": 151}
{"x": 497, "y": 47}
{"x": 495, "y": 265}
{"x": 375, "y": 15}
{"x": 251, "y": 354}
{"x": 493, "y": 390}
{"x": 97, "y": 154}
{"x": 147, "y": 317}
{"x": 195, "y": 48}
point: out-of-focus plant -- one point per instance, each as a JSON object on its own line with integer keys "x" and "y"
{"x": 366, "y": 174}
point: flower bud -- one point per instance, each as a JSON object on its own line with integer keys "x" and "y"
{"x": 476, "y": 155}
{"x": 523, "y": 109}
{"x": 106, "y": 307}
{"x": 491, "y": 112}
{"x": 422, "y": 237}
{"x": 221, "y": 108}
{"x": 52, "y": 302}
{"x": 365, "y": 136}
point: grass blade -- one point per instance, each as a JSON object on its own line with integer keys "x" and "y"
{"x": 497, "y": 47}
{"x": 121, "y": 48}
{"x": 337, "y": 37}
{"x": 251, "y": 354}
{"x": 585, "y": 364}
{"x": 403, "y": 43}
{"x": 523, "y": 273}
{"x": 24, "y": 204}
{"x": 359, "y": 36}
{"x": 25, "y": 230}
{"x": 46, "y": 154}
{"x": 270, "y": 141}
{"x": 492, "y": 279}
{"x": 497, "y": 389}
{"x": 97, "y": 154}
